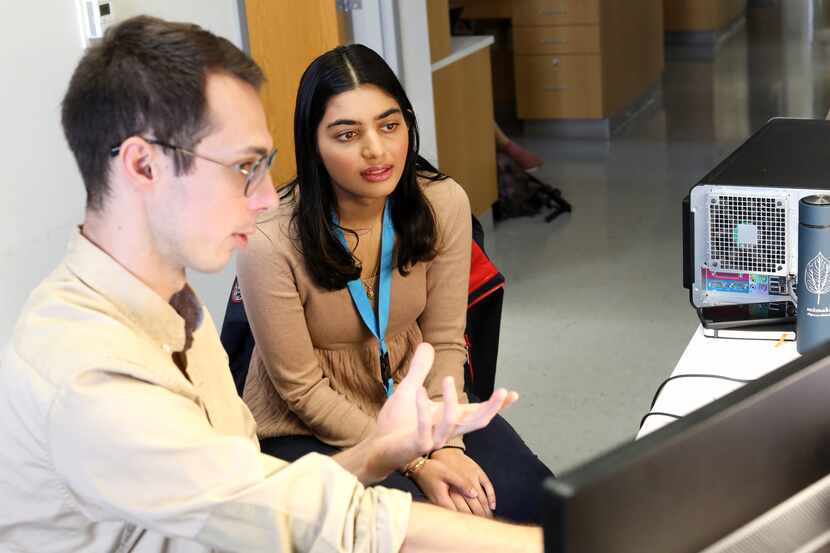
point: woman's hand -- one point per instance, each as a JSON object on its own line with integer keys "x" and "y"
{"x": 444, "y": 485}
{"x": 483, "y": 503}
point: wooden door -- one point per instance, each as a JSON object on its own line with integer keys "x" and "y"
{"x": 463, "y": 97}
{"x": 285, "y": 36}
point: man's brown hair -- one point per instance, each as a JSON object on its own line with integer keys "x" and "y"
{"x": 146, "y": 77}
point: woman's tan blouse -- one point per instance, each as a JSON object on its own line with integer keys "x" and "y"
{"x": 315, "y": 369}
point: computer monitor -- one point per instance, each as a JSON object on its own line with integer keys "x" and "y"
{"x": 690, "y": 484}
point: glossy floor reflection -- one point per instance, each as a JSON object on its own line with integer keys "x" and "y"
{"x": 595, "y": 312}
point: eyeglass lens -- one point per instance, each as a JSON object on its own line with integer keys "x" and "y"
{"x": 258, "y": 172}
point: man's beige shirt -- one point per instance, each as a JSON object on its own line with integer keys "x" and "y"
{"x": 107, "y": 446}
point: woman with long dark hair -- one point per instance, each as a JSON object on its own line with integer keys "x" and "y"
{"x": 369, "y": 255}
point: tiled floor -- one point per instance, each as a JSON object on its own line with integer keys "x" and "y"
{"x": 595, "y": 314}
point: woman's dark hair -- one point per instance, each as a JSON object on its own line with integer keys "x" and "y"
{"x": 329, "y": 263}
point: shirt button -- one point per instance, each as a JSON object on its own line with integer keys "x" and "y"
{"x": 167, "y": 348}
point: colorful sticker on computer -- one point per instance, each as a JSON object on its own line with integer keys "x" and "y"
{"x": 736, "y": 283}
{"x": 759, "y": 285}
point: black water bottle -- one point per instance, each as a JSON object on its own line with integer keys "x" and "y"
{"x": 813, "y": 272}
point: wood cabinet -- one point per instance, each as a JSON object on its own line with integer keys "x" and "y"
{"x": 555, "y": 12}
{"x": 464, "y": 127}
{"x": 580, "y": 59}
{"x": 463, "y": 100}
{"x": 632, "y": 51}
{"x": 584, "y": 59}
{"x": 438, "y": 23}
{"x": 571, "y": 39}
{"x": 552, "y": 86}
{"x": 701, "y": 15}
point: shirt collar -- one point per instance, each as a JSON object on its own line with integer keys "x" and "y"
{"x": 169, "y": 324}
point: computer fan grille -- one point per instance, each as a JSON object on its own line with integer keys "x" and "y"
{"x": 747, "y": 233}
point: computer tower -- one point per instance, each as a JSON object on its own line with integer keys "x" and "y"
{"x": 740, "y": 222}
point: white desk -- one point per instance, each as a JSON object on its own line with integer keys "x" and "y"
{"x": 733, "y": 358}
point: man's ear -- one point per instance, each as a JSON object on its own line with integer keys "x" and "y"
{"x": 138, "y": 161}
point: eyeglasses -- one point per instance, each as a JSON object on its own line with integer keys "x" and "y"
{"x": 253, "y": 171}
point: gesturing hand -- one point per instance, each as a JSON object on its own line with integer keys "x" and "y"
{"x": 410, "y": 424}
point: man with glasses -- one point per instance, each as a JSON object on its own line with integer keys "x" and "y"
{"x": 252, "y": 171}
{"x": 121, "y": 427}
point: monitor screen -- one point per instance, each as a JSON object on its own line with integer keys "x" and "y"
{"x": 688, "y": 485}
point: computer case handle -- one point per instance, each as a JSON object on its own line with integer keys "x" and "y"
{"x": 688, "y": 245}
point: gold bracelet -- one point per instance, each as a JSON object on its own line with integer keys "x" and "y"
{"x": 412, "y": 468}
{"x": 411, "y": 464}
{"x": 446, "y": 447}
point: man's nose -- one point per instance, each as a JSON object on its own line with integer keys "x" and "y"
{"x": 266, "y": 196}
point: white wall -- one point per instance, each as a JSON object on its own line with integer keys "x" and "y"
{"x": 218, "y": 16}
{"x": 416, "y": 70}
{"x": 398, "y": 30}
{"x": 375, "y": 25}
{"x": 41, "y": 193}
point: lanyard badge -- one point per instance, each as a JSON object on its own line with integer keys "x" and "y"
{"x": 376, "y": 322}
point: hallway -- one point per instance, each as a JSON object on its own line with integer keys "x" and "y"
{"x": 595, "y": 313}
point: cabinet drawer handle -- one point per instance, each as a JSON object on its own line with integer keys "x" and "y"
{"x": 554, "y": 41}
{"x": 562, "y": 11}
{"x": 554, "y": 61}
{"x": 555, "y": 88}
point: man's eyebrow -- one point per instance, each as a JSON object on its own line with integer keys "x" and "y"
{"x": 387, "y": 113}
{"x": 259, "y": 150}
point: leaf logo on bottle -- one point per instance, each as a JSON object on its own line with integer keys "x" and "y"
{"x": 817, "y": 276}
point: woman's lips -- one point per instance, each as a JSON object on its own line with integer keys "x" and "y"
{"x": 377, "y": 174}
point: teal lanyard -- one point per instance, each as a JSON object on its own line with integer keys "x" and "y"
{"x": 376, "y": 323}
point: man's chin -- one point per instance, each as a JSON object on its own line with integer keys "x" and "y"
{"x": 215, "y": 265}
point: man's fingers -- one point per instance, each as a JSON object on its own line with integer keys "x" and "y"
{"x": 448, "y": 390}
{"x": 449, "y": 415}
{"x": 425, "y": 442}
{"x": 452, "y": 419}
{"x": 512, "y": 397}
{"x": 503, "y": 398}
{"x": 480, "y": 415}
{"x": 443, "y": 431}
{"x": 420, "y": 365}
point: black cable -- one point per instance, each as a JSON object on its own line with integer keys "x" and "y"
{"x": 677, "y": 376}
{"x": 657, "y": 413}
{"x": 693, "y": 375}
